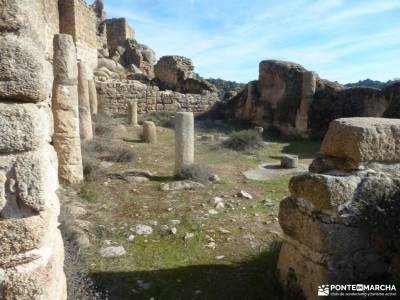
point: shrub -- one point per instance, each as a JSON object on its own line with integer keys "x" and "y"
{"x": 120, "y": 153}
{"x": 104, "y": 125}
{"x": 88, "y": 193}
{"x": 196, "y": 173}
{"x": 244, "y": 140}
{"x": 160, "y": 118}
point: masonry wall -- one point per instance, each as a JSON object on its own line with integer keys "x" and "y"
{"x": 114, "y": 96}
{"x": 52, "y": 24}
{"x": 118, "y": 31}
{"x": 31, "y": 250}
{"x": 79, "y": 20}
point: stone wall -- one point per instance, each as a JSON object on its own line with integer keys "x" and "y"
{"x": 341, "y": 219}
{"x": 52, "y": 24}
{"x": 79, "y": 20}
{"x": 118, "y": 31}
{"x": 31, "y": 252}
{"x": 114, "y": 95}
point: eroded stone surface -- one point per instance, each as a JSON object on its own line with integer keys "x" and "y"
{"x": 363, "y": 139}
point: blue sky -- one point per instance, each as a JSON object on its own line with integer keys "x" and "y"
{"x": 343, "y": 40}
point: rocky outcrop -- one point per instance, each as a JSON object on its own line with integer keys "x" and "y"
{"x": 139, "y": 56}
{"x": 176, "y": 73}
{"x": 298, "y": 103}
{"x": 340, "y": 221}
{"x": 354, "y": 102}
{"x": 31, "y": 251}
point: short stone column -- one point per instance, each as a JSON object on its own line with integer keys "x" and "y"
{"x": 184, "y": 140}
{"x": 93, "y": 97}
{"x": 66, "y": 137}
{"x": 85, "y": 118}
{"x": 149, "y": 132}
{"x": 289, "y": 161}
{"x": 132, "y": 113}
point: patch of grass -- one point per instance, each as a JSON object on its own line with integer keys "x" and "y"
{"x": 198, "y": 173}
{"x": 244, "y": 140}
{"x": 88, "y": 192}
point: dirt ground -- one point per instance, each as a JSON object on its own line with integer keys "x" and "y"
{"x": 215, "y": 253}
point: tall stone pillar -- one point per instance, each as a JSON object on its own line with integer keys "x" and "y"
{"x": 132, "y": 113}
{"x": 184, "y": 140}
{"x": 31, "y": 247}
{"x": 85, "y": 118}
{"x": 309, "y": 86}
{"x": 93, "y": 97}
{"x": 65, "y": 106}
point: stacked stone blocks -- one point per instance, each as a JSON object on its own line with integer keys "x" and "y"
{"x": 326, "y": 238}
{"x": 31, "y": 251}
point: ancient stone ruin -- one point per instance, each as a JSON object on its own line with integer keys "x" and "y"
{"x": 31, "y": 251}
{"x": 334, "y": 232}
{"x": 298, "y": 103}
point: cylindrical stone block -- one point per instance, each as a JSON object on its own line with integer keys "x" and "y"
{"x": 93, "y": 97}
{"x": 85, "y": 118}
{"x": 149, "y": 132}
{"x": 132, "y": 113}
{"x": 66, "y": 137}
{"x": 184, "y": 140}
{"x": 289, "y": 161}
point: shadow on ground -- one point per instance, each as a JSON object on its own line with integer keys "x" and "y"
{"x": 252, "y": 279}
{"x": 304, "y": 149}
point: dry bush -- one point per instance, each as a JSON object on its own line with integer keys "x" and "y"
{"x": 244, "y": 140}
{"x": 120, "y": 153}
{"x": 198, "y": 173}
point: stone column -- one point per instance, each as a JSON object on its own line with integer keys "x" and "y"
{"x": 31, "y": 247}
{"x": 149, "y": 132}
{"x": 85, "y": 118}
{"x": 309, "y": 86}
{"x": 132, "y": 113}
{"x": 93, "y": 97}
{"x": 184, "y": 140}
{"x": 65, "y": 107}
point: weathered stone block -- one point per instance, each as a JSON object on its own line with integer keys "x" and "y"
{"x": 25, "y": 234}
{"x": 23, "y": 127}
{"x": 320, "y": 232}
{"x": 324, "y": 191}
{"x": 36, "y": 179}
{"x": 22, "y": 71}
{"x": 364, "y": 139}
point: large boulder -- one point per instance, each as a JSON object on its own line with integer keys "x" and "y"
{"x": 176, "y": 73}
